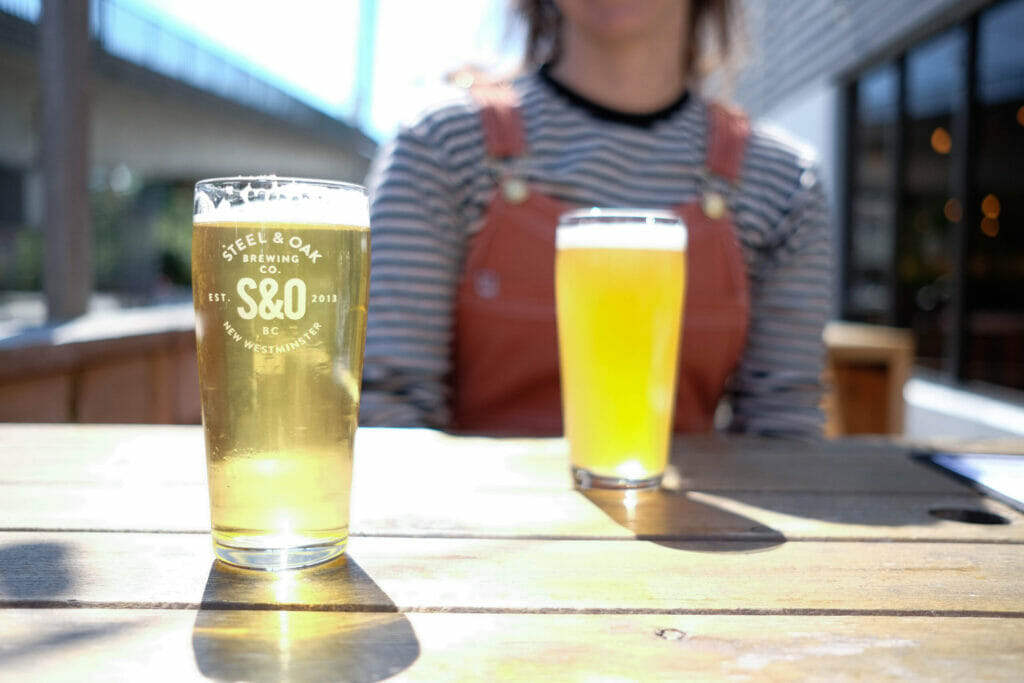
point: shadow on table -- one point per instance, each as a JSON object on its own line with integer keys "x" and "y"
{"x": 42, "y": 571}
{"x": 676, "y": 520}
{"x": 849, "y": 486}
{"x": 330, "y": 622}
{"x": 35, "y": 574}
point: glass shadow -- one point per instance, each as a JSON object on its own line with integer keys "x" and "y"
{"x": 675, "y": 520}
{"x": 330, "y": 622}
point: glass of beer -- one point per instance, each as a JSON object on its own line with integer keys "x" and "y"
{"x": 620, "y": 278}
{"x": 280, "y": 272}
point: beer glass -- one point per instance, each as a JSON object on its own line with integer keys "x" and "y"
{"x": 280, "y": 272}
{"x": 620, "y": 277}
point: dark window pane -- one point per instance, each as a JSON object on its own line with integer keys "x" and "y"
{"x": 995, "y": 262}
{"x": 1000, "y": 52}
{"x": 925, "y": 261}
{"x": 20, "y": 246}
{"x": 873, "y": 212}
{"x": 12, "y": 190}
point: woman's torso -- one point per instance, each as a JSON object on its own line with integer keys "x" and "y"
{"x": 437, "y": 183}
{"x": 506, "y": 374}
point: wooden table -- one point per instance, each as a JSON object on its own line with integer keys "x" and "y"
{"x": 474, "y": 559}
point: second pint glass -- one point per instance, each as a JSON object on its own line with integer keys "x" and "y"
{"x": 280, "y": 271}
{"x": 620, "y": 277}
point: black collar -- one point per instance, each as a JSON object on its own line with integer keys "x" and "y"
{"x": 645, "y": 120}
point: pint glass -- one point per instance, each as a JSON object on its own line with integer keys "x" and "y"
{"x": 280, "y": 271}
{"x": 620, "y": 277}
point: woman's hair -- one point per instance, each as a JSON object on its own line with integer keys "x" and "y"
{"x": 709, "y": 20}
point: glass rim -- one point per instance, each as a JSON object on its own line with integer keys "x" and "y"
{"x": 323, "y": 182}
{"x": 631, "y": 214}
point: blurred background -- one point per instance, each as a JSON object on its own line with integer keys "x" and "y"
{"x": 110, "y": 110}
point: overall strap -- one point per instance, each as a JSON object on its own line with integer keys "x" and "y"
{"x": 729, "y": 130}
{"x": 502, "y": 122}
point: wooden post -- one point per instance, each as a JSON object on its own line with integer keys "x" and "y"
{"x": 64, "y": 146}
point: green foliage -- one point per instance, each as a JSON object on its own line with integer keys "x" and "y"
{"x": 174, "y": 236}
{"x": 142, "y": 241}
{"x": 21, "y": 260}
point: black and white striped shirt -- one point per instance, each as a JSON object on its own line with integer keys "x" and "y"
{"x": 430, "y": 188}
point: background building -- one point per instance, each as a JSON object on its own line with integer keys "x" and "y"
{"x": 917, "y": 109}
{"x": 164, "y": 109}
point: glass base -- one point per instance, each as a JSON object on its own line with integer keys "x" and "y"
{"x": 276, "y": 559}
{"x": 589, "y": 480}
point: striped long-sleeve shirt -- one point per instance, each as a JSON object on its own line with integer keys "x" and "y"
{"x": 432, "y": 184}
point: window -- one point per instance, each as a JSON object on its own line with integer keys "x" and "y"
{"x": 995, "y": 237}
{"x": 930, "y": 206}
{"x": 935, "y": 221}
{"x": 873, "y": 209}
{"x": 12, "y": 205}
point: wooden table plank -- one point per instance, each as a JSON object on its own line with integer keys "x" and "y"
{"x": 153, "y": 479}
{"x": 797, "y": 516}
{"x": 174, "y": 455}
{"x": 415, "y": 574}
{"x": 98, "y": 455}
{"x": 766, "y": 465}
{"x": 146, "y": 506}
{"x": 185, "y": 645}
{"x": 378, "y": 509}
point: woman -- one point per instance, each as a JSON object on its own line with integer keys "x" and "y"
{"x": 465, "y": 200}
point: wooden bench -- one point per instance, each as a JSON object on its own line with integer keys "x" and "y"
{"x": 127, "y": 366}
{"x": 139, "y": 366}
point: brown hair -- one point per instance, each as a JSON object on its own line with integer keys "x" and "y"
{"x": 712, "y": 19}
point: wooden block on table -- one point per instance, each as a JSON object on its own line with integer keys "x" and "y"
{"x": 866, "y": 368}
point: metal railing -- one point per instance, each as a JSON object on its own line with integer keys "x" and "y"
{"x": 133, "y": 36}
{"x": 23, "y": 9}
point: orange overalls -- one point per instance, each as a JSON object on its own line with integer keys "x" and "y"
{"x": 505, "y": 359}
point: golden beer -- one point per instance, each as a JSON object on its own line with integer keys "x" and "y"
{"x": 620, "y": 285}
{"x": 280, "y": 325}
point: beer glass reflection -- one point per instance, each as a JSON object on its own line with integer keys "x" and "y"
{"x": 620, "y": 279}
{"x": 280, "y": 271}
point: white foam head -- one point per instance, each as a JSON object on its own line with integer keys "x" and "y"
{"x": 269, "y": 199}
{"x": 621, "y": 229}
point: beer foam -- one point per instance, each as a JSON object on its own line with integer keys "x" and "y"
{"x": 282, "y": 200}
{"x": 624, "y": 235}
